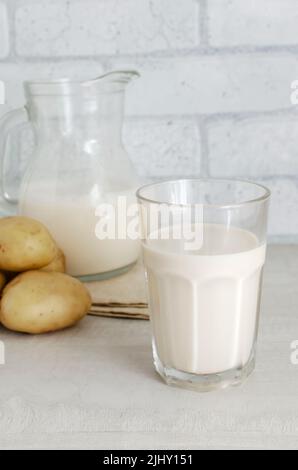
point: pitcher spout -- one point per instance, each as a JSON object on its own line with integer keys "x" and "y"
{"x": 112, "y": 80}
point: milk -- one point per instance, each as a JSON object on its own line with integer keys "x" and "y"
{"x": 72, "y": 223}
{"x": 205, "y": 304}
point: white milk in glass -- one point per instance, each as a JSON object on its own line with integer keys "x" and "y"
{"x": 205, "y": 304}
{"x": 72, "y": 223}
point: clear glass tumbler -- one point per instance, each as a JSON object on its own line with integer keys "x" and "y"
{"x": 204, "y": 247}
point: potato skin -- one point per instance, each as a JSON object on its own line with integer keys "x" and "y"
{"x": 25, "y": 244}
{"x": 58, "y": 265}
{"x": 38, "y": 302}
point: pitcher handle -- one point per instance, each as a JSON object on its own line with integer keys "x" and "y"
{"x": 8, "y": 123}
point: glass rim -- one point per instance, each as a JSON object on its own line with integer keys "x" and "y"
{"x": 263, "y": 198}
{"x": 60, "y": 86}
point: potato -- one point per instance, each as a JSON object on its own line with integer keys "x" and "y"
{"x": 25, "y": 244}
{"x": 38, "y": 302}
{"x": 2, "y": 280}
{"x": 57, "y": 265}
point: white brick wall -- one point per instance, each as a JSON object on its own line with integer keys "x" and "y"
{"x": 283, "y": 220}
{"x": 105, "y": 26}
{"x": 4, "y": 34}
{"x": 195, "y": 85}
{"x": 253, "y": 22}
{"x": 160, "y": 146}
{"x": 214, "y": 96}
{"x": 253, "y": 147}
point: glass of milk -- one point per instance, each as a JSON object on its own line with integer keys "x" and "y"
{"x": 204, "y": 247}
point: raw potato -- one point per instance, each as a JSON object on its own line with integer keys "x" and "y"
{"x": 2, "y": 281}
{"x": 25, "y": 244}
{"x": 39, "y": 302}
{"x": 57, "y": 265}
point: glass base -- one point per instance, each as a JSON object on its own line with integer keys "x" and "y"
{"x": 107, "y": 275}
{"x": 204, "y": 383}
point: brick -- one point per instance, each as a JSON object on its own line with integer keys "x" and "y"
{"x": 164, "y": 148}
{"x": 253, "y": 22}
{"x": 253, "y": 147}
{"x": 4, "y": 32}
{"x": 213, "y": 84}
{"x": 96, "y": 27}
{"x": 283, "y": 218}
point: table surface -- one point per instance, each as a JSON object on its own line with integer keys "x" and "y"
{"x": 94, "y": 387}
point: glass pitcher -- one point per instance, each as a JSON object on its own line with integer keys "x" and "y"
{"x": 78, "y": 163}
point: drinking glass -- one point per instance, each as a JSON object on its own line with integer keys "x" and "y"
{"x": 204, "y": 247}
